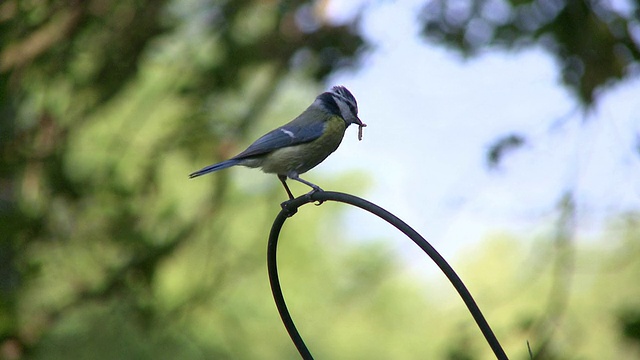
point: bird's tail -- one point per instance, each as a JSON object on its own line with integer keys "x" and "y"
{"x": 215, "y": 167}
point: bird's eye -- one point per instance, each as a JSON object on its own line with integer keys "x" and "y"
{"x": 353, "y": 108}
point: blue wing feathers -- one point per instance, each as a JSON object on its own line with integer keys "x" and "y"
{"x": 303, "y": 129}
{"x": 287, "y": 135}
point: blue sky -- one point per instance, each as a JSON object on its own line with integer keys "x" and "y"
{"x": 432, "y": 117}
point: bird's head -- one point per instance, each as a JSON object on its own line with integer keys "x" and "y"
{"x": 347, "y": 104}
{"x": 339, "y": 101}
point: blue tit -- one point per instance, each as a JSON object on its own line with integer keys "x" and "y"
{"x": 303, "y": 143}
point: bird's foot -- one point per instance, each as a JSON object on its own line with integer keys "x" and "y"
{"x": 315, "y": 190}
{"x": 290, "y": 207}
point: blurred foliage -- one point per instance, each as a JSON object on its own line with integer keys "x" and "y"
{"x": 520, "y": 281}
{"x": 105, "y": 108}
{"x": 502, "y": 147}
{"x": 108, "y": 251}
{"x": 596, "y": 43}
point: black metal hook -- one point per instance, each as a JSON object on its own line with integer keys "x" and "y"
{"x": 290, "y": 208}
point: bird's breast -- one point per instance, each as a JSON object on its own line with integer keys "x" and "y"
{"x": 301, "y": 158}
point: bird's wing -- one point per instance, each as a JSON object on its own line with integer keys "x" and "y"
{"x": 293, "y": 133}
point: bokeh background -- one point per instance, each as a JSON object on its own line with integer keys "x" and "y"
{"x": 507, "y": 132}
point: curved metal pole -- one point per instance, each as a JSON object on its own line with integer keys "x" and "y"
{"x": 289, "y": 208}
{"x": 275, "y": 285}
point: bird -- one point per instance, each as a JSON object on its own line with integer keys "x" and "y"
{"x": 303, "y": 143}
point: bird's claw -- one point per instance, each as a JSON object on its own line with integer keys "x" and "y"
{"x": 315, "y": 190}
{"x": 290, "y": 207}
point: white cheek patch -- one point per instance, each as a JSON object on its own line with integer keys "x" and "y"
{"x": 344, "y": 109}
{"x": 288, "y": 133}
